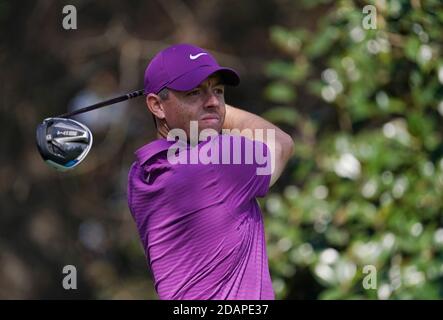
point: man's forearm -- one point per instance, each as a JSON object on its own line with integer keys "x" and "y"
{"x": 247, "y": 122}
{"x": 243, "y": 120}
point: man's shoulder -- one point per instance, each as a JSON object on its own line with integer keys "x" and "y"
{"x": 152, "y": 149}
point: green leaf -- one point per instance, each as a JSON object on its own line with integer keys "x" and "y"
{"x": 282, "y": 115}
{"x": 287, "y": 70}
{"x": 411, "y": 48}
{"x": 322, "y": 42}
{"x": 285, "y": 39}
{"x": 280, "y": 92}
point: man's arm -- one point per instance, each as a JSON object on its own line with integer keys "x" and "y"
{"x": 284, "y": 146}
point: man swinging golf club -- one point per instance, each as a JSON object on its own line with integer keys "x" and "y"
{"x": 199, "y": 221}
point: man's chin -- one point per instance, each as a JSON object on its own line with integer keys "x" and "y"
{"x": 210, "y": 124}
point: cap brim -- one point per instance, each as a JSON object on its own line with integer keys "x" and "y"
{"x": 192, "y": 79}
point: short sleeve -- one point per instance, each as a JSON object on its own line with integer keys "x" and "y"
{"x": 244, "y": 171}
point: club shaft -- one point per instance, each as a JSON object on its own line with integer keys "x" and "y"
{"x": 103, "y": 103}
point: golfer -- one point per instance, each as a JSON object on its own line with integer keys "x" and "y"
{"x": 195, "y": 207}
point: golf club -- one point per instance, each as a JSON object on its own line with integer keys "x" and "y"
{"x": 63, "y": 143}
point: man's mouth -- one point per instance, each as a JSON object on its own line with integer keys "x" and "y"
{"x": 210, "y": 118}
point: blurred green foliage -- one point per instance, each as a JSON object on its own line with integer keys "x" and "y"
{"x": 368, "y": 189}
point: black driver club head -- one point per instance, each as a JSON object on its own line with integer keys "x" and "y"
{"x": 63, "y": 143}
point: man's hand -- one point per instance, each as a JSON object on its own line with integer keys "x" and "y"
{"x": 284, "y": 145}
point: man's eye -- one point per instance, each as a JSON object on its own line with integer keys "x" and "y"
{"x": 193, "y": 93}
{"x": 219, "y": 90}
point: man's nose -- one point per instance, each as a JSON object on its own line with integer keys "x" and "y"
{"x": 212, "y": 100}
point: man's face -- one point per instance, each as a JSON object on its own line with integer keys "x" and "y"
{"x": 205, "y": 104}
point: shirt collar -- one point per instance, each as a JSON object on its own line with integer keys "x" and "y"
{"x": 149, "y": 150}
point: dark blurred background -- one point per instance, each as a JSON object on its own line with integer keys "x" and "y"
{"x": 364, "y": 187}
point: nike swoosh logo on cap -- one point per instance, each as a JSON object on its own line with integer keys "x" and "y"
{"x": 196, "y": 56}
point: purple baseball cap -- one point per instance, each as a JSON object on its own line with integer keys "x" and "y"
{"x": 183, "y": 67}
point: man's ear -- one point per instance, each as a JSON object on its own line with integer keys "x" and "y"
{"x": 154, "y": 104}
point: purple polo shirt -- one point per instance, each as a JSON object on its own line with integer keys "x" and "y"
{"x": 200, "y": 224}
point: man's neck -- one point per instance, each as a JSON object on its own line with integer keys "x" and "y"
{"x": 160, "y": 136}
